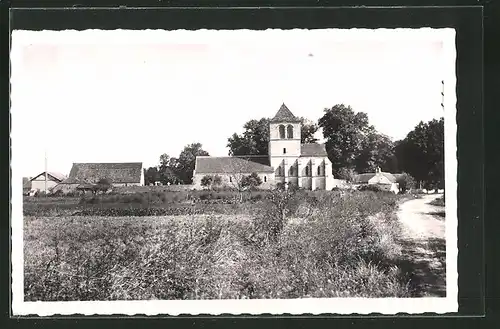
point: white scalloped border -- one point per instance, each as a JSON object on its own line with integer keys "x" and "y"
{"x": 235, "y": 307}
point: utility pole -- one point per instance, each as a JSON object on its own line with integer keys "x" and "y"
{"x": 442, "y": 94}
{"x": 45, "y": 172}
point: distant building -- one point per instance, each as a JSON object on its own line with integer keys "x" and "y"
{"x": 386, "y": 181}
{"x": 288, "y": 161}
{"x": 119, "y": 174}
{"x": 37, "y": 183}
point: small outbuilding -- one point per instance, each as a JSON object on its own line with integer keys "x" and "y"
{"x": 37, "y": 183}
{"x": 384, "y": 180}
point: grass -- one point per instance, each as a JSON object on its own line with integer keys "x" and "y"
{"x": 328, "y": 244}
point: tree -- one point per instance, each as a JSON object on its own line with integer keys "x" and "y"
{"x": 406, "y": 182}
{"x": 346, "y": 174}
{"x": 253, "y": 141}
{"x": 103, "y": 185}
{"x": 255, "y": 137}
{"x": 186, "y": 162}
{"x": 421, "y": 153}
{"x": 377, "y": 150}
{"x": 251, "y": 181}
{"x": 168, "y": 170}
{"x": 345, "y": 132}
{"x": 151, "y": 175}
{"x": 216, "y": 181}
{"x": 206, "y": 181}
{"x": 309, "y": 129}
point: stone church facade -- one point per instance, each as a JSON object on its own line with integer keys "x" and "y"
{"x": 289, "y": 160}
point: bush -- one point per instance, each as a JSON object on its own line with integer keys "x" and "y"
{"x": 251, "y": 181}
{"x": 370, "y": 187}
{"x": 39, "y": 193}
{"x": 438, "y": 202}
{"x": 406, "y": 182}
{"x": 58, "y": 193}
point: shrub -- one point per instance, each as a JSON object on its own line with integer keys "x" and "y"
{"x": 39, "y": 193}
{"x": 103, "y": 185}
{"x": 279, "y": 205}
{"x": 251, "y": 181}
{"x": 58, "y": 193}
{"x": 206, "y": 181}
{"x": 406, "y": 182}
{"x": 370, "y": 187}
{"x": 438, "y": 202}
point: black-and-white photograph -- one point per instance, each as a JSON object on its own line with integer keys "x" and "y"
{"x": 234, "y": 171}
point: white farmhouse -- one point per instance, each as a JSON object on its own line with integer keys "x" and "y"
{"x": 384, "y": 180}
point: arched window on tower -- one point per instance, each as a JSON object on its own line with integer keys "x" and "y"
{"x": 307, "y": 171}
{"x": 319, "y": 170}
{"x": 279, "y": 171}
{"x": 282, "y": 131}
{"x": 289, "y": 131}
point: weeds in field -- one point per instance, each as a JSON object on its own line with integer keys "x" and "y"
{"x": 338, "y": 250}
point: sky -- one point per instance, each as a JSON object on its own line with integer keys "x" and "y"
{"x": 130, "y": 96}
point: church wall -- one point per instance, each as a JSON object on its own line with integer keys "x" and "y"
{"x": 306, "y": 182}
{"x": 293, "y": 180}
{"x": 319, "y": 182}
{"x": 292, "y": 148}
{"x": 227, "y": 180}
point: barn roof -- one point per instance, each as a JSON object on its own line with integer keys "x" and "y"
{"x": 313, "y": 150}
{"x": 58, "y": 177}
{"x": 129, "y": 172}
{"x": 364, "y": 178}
{"x": 284, "y": 115}
{"x": 232, "y": 165}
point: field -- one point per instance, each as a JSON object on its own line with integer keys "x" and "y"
{"x": 209, "y": 245}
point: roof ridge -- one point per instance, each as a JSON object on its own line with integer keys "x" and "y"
{"x": 114, "y": 162}
{"x": 232, "y": 156}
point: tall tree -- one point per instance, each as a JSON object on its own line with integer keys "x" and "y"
{"x": 421, "y": 153}
{"x": 377, "y": 150}
{"x": 255, "y": 138}
{"x": 151, "y": 175}
{"x": 168, "y": 170}
{"x": 345, "y": 132}
{"x": 186, "y": 161}
{"x": 435, "y": 152}
{"x": 309, "y": 129}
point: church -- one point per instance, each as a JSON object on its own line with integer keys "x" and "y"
{"x": 289, "y": 160}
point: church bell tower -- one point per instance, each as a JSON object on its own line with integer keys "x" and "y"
{"x": 284, "y": 141}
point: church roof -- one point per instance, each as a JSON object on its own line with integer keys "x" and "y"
{"x": 232, "y": 165}
{"x": 313, "y": 150}
{"x": 284, "y": 115}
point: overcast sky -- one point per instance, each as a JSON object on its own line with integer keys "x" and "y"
{"x": 119, "y": 96}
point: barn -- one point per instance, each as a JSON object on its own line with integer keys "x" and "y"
{"x": 119, "y": 174}
{"x": 37, "y": 183}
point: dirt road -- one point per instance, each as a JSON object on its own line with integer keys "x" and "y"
{"x": 424, "y": 247}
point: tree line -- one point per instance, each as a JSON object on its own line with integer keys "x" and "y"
{"x": 353, "y": 146}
